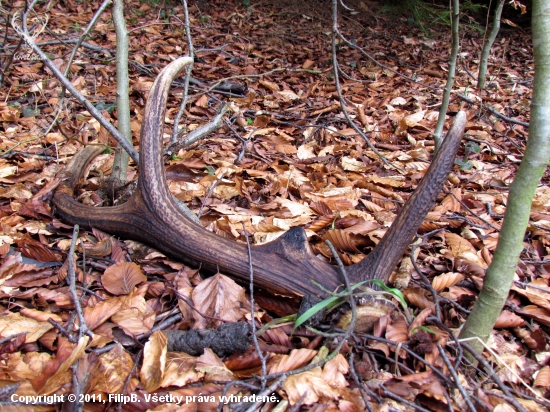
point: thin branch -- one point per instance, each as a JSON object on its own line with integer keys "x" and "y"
{"x": 336, "y": 70}
{"x": 427, "y": 283}
{"x": 189, "y": 69}
{"x": 71, "y": 277}
{"x": 210, "y": 190}
{"x": 493, "y": 375}
{"x": 493, "y": 111}
{"x": 66, "y": 42}
{"x": 362, "y": 387}
{"x": 198, "y": 133}
{"x": 455, "y": 15}
{"x": 456, "y": 379}
{"x": 263, "y": 359}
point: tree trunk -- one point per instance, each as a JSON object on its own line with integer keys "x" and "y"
{"x": 500, "y": 274}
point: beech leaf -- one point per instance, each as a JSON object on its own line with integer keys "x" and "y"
{"x": 122, "y": 277}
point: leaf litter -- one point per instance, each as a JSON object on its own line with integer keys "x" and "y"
{"x": 302, "y": 166}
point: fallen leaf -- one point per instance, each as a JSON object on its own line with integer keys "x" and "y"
{"x": 154, "y": 361}
{"x": 122, "y": 277}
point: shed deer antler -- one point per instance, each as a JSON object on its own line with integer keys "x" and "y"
{"x": 286, "y": 266}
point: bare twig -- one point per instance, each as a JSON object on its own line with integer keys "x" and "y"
{"x": 426, "y": 281}
{"x": 80, "y": 42}
{"x": 455, "y": 14}
{"x": 456, "y": 379}
{"x": 71, "y": 277}
{"x": 263, "y": 360}
{"x": 362, "y": 387}
{"x": 197, "y": 134}
{"x": 210, "y": 190}
{"x": 493, "y": 375}
{"x": 189, "y": 69}
{"x": 77, "y": 387}
{"x": 336, "y": 71}
{"x": 493, "y": 111}
{"x": 129, "y": 377}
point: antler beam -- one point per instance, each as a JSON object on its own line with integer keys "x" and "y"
{"x": 286, "y": 266}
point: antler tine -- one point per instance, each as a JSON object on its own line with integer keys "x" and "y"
{"x": 383, "y": 259}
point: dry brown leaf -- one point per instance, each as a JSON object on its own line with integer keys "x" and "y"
{"x": 39, "y": 315}
{"x": 371, "y": 206}
{"x": 417, "y": 166}
{"x": 417, "y": 297}
{"x": 530, "y": 405}
{"x": 296, "y": 208}
{"x": 539, "y": 314}
{"x": 212, "y": 367}
{"x": 451, "y": 203}
{"x": 288, "y": 95}
{"x": 4, "y": 249}
{"x": 35, "y": 250}
{"x": 503, "y": 407}
{"x": 14, "y": 323}
{"x": 508, "y": 319}
{"x": 245, "y": 101}
{"x": 543, "y": 378}
{"x": 102, "y": 248}
{"x": 446, "y": 280}
{"x": 100, "y": 312}
{"x": 321, "y": 208}
{"x": 385, "y": 217}
{"x": 462, "y": 248}
{"x": 420, "y": 319}
{"x": 428, "y": 384}
{"x": 310, "y": 384}
{"x": 334, "y": 371}
{"x": 272, "y": 86}
{"x": 469, "y": 268}
{"x": 122, "y": 277}
{"x": 362, "y": 227}
{"x": 194, "y": 163}
{"x": 307, "y": 150}
{"x": 185, "y": 290}
{"x": 135, "y": 316}
{"x": 296, "y": 359}
{"x": 395, "y": 181}
{"x": 536, "y": 296}
{"x": 341, "y": 240}
{"x": 17, "y": 191}
{"x": 397, "y": 331}
{"x": 133, "y": 321}
{"x": 351, "y": 164}
{"x": 180, "y": 370}
{"x": 154, "y": 361}
{"x": 112, "y": 370}
{"x": 219, "y": 297}
{"x": 413, "y": 119}
{"x": 281, "y": 145}
{"x": 25, "y": 367}
{"x": 57, "y": 371}
{"x": 321, "y": 222}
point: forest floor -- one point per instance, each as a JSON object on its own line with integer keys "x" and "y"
{"x": 292, "y": 159}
